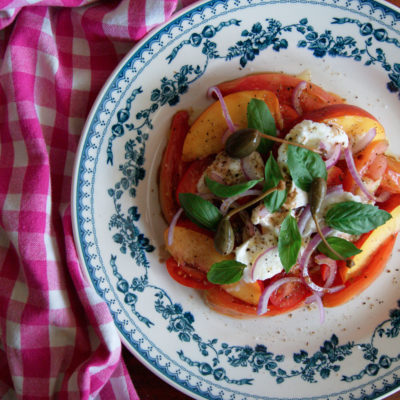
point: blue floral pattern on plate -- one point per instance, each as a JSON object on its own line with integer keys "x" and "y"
{"x": 116, "y": 138}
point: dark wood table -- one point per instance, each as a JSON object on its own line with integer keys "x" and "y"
{"x": 150, "y": 387}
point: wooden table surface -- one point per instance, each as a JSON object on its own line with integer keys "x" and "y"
{"x": 150, "y": 387}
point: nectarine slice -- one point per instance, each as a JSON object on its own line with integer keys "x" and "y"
{"x": 205, "y": 135}
{"x": 193, "y": 248}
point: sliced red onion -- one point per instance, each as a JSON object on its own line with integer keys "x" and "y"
{"x": 304, "y": 261}
{"x": 247, "y": 168}
{"x": 214, "y": 89}
{"x": 333, "y": 159}
{"x": 316, "y": 298}
{"x": 335, "y": 189}
{"x": 230, "y": 200}
{"x": 356, "y": 176}
{"x": 172, "y": 226}
{"x": 256, "y": 262}
{"x": 215, "y": 176}
{"x": 332, "y": 265}
{"x": 296, "y": 96}
{"x": 364, "y": 141}
{"x": 262, "y": 307}
{"x": 304, "y": 218}
{"x": 225, "y": 136}
{"x": 314, "y": 242}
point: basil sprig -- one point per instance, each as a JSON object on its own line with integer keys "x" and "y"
{"x": 345, "y": 248}
{"x": 304, "y": 166}
{"x": 200, "y": 211}
{"x": 259, "y": 117}
{"x": 355, "y": 218}
{"x": 225, "y": 272}
{"x": 289, "y": 243}
{"x": 221, "y": 190}
{"x": 273, "y": 175}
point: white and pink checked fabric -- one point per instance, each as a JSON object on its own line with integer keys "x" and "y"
{"x": 57, "y": 338}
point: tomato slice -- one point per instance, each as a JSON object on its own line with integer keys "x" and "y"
{"x": 335, "y": 176}
{"x": 171, "y": 166}
{"x": 187, "y": 276}
{"x": 363, "y": 161}
{"x": 188, "y": 183}
{"x": 313, "y": 97}
{"x": 289, "y": 294}
{"x": 391, "y": 177}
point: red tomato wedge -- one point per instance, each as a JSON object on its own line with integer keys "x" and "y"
{"x": 187, "y": 276}
{"x": 335, "y": 176}
{"x": 222, "y": 302}
{"x": 188, "y": 183}
{"x": 364, "y": 160}
{"x": 288, "y": 295}
{"x": 171, "y": 166}
{"x": 313, "y": 97}
{"x": 391, "y": 178}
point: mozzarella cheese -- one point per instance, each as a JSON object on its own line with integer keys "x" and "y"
{"x": 328, "y": 202}
{"x": 268, "y": 265}
{"x": 230, "y": 171}
{"x": 316, "y": 135}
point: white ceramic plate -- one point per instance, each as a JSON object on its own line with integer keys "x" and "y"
{"x": 351, "y": 48}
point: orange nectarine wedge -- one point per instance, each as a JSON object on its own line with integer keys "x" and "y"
{"x": 205, "y": 135}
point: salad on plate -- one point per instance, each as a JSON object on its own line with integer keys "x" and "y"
{"x": 280, "y": 194}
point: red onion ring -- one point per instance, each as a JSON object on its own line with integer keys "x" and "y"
{"x": 247, "y": 169}
{"x": 365, "y": 140}
{"x": 296, "y": 96}
{"x": 335, "y": 189}
{"x": 332, "y": 265}
{"x": 315, "y": 241}
{"x": 357, "y": 178}
{"x": 304, "y": 218}
{"x": 225, "y": 136}
{"x": 334, "y": 158}
{"x": 254, "y": 266}
{"x": 262, "y": 307}
{"x": 172, "y": 225}
{"x": 228, "y": 202}
{"x": 316, "y": 298}
{"x": 225, "y": 111}
{"x": 216, "y": 177}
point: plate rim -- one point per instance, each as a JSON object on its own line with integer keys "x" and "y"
{"x": 85, "y": 136}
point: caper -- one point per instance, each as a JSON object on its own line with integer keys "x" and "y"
{"x": 242, "y": 143}
{"x": 317, "y": 194}
{"x": 224, "y": 239}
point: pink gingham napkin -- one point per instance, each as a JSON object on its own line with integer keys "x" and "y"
{"x": 57, "y": 338}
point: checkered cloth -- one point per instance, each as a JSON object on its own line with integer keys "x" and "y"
{"x": 57, "y": 337}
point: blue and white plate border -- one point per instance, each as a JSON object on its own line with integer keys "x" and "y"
{"x": 84, "y": 154}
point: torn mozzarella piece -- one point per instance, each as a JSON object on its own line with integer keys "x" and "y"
{"x": 326, "y": 205}
{"x": 316, "y": 135}
{"x": 268, "y": 265}
{"x": 229, "y": 170}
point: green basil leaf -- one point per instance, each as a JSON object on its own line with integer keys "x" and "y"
{"x": 259, "y": 117}
{"x": 200, "y": 211}
{"x": 304, "y": 166}
{"x": 273, "y": 175}
{"x": 224, "y": 272}
{"x": 355, "y": 218}
{"x": 289, "y": 242}
{"x": 221, "y": 190}
{"x": 345, "y": 248}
